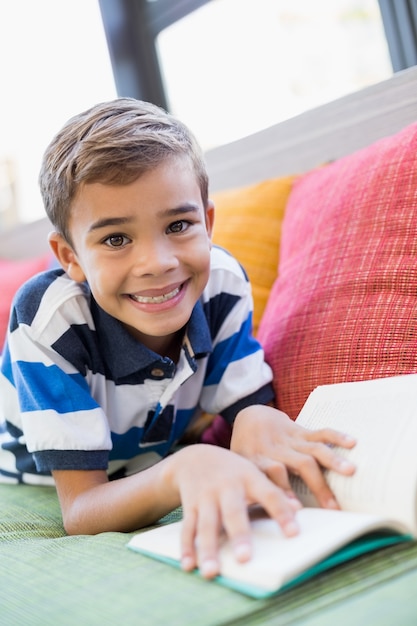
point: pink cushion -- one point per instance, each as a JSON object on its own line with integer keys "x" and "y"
{"x": 12, "y": 275}
{"x": 344, "y": 306}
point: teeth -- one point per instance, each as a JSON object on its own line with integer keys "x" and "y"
{"x": 156, "y": 299}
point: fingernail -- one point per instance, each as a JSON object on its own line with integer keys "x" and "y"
{"x": 291, "y": 528}
{"x": 187, "y": 563}
{"x": 290, "y": 494}
{"x": 209, "y": 568}
{"x": 243, "y": 552}
{"x": 346, "y": 466}
{"x": 331, "y": 504}
{"x": 294, "y": 501}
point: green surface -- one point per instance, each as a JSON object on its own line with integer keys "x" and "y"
{"x": 47, "y": 578}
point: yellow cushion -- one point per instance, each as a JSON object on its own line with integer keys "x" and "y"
{"x": 248, "y": 224}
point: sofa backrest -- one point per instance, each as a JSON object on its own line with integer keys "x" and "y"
{"x": 318, "y": 136}
{"x": 26, "y": 240}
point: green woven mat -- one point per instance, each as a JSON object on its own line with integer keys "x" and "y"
{"x": 47, "y": 578}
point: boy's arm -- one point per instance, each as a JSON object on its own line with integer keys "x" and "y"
{"x": 213, "y": 485}
{"x": 276, "y": 444}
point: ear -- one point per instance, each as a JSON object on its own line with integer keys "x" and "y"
{"x": 209, "y": 211}
{"x": 66, "y": 256}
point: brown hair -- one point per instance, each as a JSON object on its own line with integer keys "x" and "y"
{"x": 112, "y": 143}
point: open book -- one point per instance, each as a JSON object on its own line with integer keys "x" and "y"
{"x": 378, "y": 502}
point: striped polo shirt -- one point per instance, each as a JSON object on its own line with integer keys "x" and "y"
{"x": 77, "y": 391}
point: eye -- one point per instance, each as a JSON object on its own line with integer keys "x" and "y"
{"x": 116, "y": 241}
{"x": 179, "y": 226}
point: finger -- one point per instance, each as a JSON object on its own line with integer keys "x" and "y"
{"x": 309, "y": 471}
{"x": 332, "y": 437}
{"x": 278, "y": 474}
{"x": 331, "y": 460}
{"x": 235, "y": 518}
{"x": 188, "y": 535}
{"x": 276, "y": 471}
{"x": 207, "y": 539}
{"x": 275, "y": 502}
{"x": 328, "y": 458}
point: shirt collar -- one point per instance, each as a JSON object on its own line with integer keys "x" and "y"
{"x": 125, "y": 355}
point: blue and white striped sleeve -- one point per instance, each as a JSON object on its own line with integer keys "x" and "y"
{"x": 237, "y": 374}
{"x": 57, "y": 414}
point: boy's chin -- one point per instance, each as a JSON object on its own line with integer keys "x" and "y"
{"x": 158, "y": 338}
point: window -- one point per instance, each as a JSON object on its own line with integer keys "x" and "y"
{"x": 54, "y": 63}
{"x": 230, "y": 68}
{"x": 233, "y": 67}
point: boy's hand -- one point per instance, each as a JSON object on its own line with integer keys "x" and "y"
{"x": 215, "y": 487}
{"x": 276, "y": 444}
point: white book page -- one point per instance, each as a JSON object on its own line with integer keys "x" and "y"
{"x": 276, "y": 559}
{"x": 382, "y": 416}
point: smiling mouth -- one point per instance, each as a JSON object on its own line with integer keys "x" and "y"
{"x": 156, "y": 299}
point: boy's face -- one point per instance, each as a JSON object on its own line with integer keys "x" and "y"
{"x": 143, "y": 248}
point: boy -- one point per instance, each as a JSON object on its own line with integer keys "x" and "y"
{"x": 110, "y": 358}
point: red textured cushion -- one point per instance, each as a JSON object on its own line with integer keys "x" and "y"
{"x": 12, "y": 275}
{"x": 344, "y": 306}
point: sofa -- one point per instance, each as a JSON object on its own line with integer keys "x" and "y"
{"x": 322, "y": 212}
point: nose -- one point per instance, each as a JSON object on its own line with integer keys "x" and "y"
{"x": 154, "y": 257}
